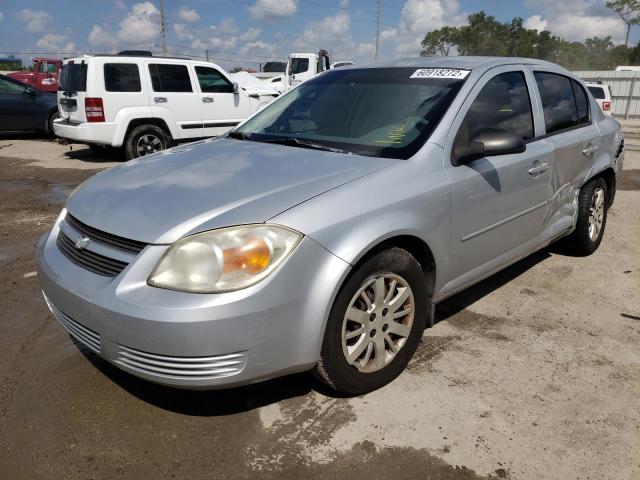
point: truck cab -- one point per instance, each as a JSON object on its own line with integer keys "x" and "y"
{"x": 44, "y": 75}
{"x": 303, "y": 66}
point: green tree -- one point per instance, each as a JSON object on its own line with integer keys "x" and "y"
{"x": 439, "y": 42}
{"x": 628, "y": 11}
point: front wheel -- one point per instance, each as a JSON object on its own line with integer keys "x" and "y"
{"x": 592, "y": 218}
{"x": 145, "y": 140}
{"x": 375, "y": 325}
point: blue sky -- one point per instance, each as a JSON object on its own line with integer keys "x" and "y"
{"x": 246, "y": 32}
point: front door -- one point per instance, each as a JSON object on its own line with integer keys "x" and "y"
{"x": 222, "y": 109}
{"x": 18, "y": 108}
{"x": 499, "y": 202}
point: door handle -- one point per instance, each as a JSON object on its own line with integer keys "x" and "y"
{"x": 590, "y": 150}
{"x": 207, "y": 99}
{"x": 160, "y": 99}
{"x": 538, "y": 169}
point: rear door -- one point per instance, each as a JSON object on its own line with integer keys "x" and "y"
{"x": 173, "y": 96}
{"x": 222, "y": 109}
{"x": 574, "y": 138}
{"x": 498, "y": 202}
{"x": 72, "y": 90}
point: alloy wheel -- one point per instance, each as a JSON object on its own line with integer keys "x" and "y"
{"x": 377, "y": 322}
{"x": 596, "y": 213}
{"x": 147, "y": 144}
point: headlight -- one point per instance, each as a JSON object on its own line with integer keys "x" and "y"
{"x": 224, "y": 260}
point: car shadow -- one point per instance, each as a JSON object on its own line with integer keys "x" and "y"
{"x": 209, "y": 403}
{"x": 242, "y": 399}
{"x": 469, "y": 296}
{"x": 85, "y": 154}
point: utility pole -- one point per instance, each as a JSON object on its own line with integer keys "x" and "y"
{"x": 206, "y": 53}
{"x": 375, "y": 57}
{"x": 163, "y": 28}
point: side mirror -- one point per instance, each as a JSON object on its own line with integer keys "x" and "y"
{"x": 30, "y": 91}
{"x": 236, "y": 89}
{"x": 488, "y": 143}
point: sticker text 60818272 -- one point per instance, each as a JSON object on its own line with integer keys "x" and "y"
{"x": 454, "y": 73}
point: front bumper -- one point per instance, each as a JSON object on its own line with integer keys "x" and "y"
{"x": 103, "y": 133}
{"x": 198, "y": 341}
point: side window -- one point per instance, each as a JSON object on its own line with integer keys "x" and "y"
{"x": 582, "y": 103}
{"x": 42, "y": 68}
{"x": 212, "y": 81}
{"x": 299, "y": 65}
{"x": 10, "y": 87}
{"x": 121, "y": 77}
{"x": 503, "y": 103}
{"x": 558, "y": 102}
{"x": 597, "y": 92}
{"x": 52, "y": 68}
{"x": 170, "y": 78}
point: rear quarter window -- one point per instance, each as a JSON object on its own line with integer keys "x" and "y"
{"x": 121, "y": 77}
{"x": 170, "y": 78}
{"x": 582, "y": 103}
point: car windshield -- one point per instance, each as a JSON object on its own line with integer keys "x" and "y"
{"x": 380, "y": 112}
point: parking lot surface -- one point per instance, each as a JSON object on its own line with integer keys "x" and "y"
{"x": 533, "y": 373}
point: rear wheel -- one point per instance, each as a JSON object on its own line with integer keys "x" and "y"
{"x": 375, "y": 325}
{"x": 592, "y": 219}
{"x": 50, "y": 120}
{"x": 145, "y": 140}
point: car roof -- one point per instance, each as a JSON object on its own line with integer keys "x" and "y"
{"x": 463, "y": 62}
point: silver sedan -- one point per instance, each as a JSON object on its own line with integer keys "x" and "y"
{"x": 321, "y": 232}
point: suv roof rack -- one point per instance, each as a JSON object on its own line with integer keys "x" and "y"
{"x": 135, "y": 53}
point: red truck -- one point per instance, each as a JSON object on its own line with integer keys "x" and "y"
{"x": 44, "y": 75}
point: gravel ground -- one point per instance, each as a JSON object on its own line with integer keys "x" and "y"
{"x": 534, "y": 373}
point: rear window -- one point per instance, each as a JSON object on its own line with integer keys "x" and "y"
{"x": 597, "y": 92}
{"x": 170, "y": 78}
{"x": 121, "y": 77}
{"x": 558, "y": 102}
{"x": 73, "y": 77}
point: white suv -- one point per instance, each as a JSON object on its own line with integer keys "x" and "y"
{"x": 145, "y": 103}
{"x": 602, "y": 93}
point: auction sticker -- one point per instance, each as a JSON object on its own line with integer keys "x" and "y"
{"x": 454, "y": 73}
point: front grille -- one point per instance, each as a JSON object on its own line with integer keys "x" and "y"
{"x": 131, "y": 246}
{"x": 185, "y": 368}
{"x": 94, "y": 262}
{"x": 87, "y": 337}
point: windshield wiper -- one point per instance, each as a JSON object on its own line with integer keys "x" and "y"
{"x": 239, "y": 135}
{"x": 303, "y": 143}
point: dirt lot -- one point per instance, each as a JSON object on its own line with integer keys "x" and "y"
{"x": 534, "y": 373}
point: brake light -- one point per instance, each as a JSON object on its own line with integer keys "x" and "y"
{"x": 606, "y": 106}
{"x": 94, "y": 109}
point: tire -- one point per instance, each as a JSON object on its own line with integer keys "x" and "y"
{"x": 135, "y": 145}
{"x": 50, "y": 120}
{"x": 583, "y": 241}
{"x": 367, "y": 371}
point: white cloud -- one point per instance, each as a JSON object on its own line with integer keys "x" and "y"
{"x": 55, "y": 43}
{"x": 141, "y": 25}
{"x": 250, "y": 35}
{"x": 344, "y": 3}
{"x": 578, "y": 19}
{"x": 1, "y": 16}
{"x": 36, "y": 20}
{"x": 120, "y": 5}
{"x": 188, "y": 14}
{"x": 272, "y": 9}
{"x": 417, "y": 18}
{"x": 536, "y": 22}
{"x": 99, "y": 37}
{"x": 332, "y": 30}
{"x": 182, "y": 31}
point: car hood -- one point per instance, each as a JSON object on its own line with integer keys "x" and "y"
{"x": 210, "y": 184}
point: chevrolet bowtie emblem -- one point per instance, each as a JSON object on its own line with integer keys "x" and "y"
{"x": 81, "y": 243}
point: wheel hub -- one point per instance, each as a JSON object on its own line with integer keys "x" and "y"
{"x": 377, "y": 322}
{"x": 596, "y": 213}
